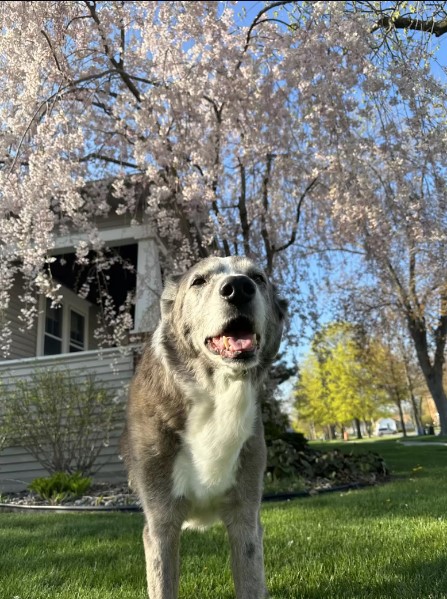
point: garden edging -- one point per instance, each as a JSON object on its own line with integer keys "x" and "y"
{"x": 11, "y": 507}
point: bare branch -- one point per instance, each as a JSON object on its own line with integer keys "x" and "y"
{"x": 242, "y": 207}
{"x": 110, "y": 159}
{"x": 265, "y": 205}
{"x": 218, "y": 114}
{"x": 412, "y": 280}
{"x": 436, "y": 28}
{"x": 56, "y": 60}
{"x": 257, "y": 21}
{"x": 297, "y": 218}
{"x": 118, "y": 65}
{"x": 441, "y": 332}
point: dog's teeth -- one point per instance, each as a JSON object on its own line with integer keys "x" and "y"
{"x": 225, "y": 342}
{"x": 255, "y": 341}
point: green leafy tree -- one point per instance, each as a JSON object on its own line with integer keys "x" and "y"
{"x": 390, "y": 371}
{"x": 311, "y": 397}
{"x": 338, "y": 381}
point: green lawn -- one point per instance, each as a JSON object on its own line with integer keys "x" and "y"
{"x": 384, "y": 542}
{"x": 427, "y": 439}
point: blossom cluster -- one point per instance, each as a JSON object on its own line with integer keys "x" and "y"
{"x": 274, "y": 135}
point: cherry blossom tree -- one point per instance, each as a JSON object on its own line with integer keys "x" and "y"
{"x": 393, "y": 206}
{"x": 220, "y": 124}
{"x": 303, "y": 128}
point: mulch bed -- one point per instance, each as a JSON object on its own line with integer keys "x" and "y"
{"x": 103, "y": 497}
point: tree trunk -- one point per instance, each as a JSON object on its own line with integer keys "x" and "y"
{"x": 432, "y": 371}
{"x": 433, "y": 378}
{"x": 414, "y": 405}
{"x": 401, "y": 416}
{"x": 416, "y": 414}
{"x": 436, "y": 388}
{"x": 332, "y": 432}
{"x": 358, "y": 428}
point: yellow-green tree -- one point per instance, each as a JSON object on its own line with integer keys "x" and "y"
{"x": 389, "y": 370}
{"x": 312, "y": 399}
{"x": 339, "y": 381}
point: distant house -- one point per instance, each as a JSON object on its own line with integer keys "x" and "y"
{"x": 64, "y": 337}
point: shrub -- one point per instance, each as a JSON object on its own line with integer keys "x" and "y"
{"x": 281, "y": 459}
{"x": 297, "y": 440}
{"x": 333, "y": 467}
{"x": 349, "y": 467}
{"x": 60, "y": 486}
{"x": 62, "y": 421}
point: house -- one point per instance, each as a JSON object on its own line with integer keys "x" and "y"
{"x": 63, "y": 338}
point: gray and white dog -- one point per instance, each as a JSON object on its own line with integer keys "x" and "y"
{"x": 194, "y": 444}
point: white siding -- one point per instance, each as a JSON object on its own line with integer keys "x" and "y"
{"x": 112, "y": 370}
{"x": 23, "y": 343}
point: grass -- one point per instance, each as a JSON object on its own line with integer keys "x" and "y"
{"x": 383, "y": 542}
{"x": 428, "y": 439}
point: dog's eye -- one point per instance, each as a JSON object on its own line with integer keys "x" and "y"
{"x": 259, "y": 279}
{"x": 198, "y": 281}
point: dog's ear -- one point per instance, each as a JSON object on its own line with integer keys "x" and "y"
{"x": 169, "y": 294}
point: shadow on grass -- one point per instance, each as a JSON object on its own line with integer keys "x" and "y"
{"x": 418, "y": 580}
{"x": 385, "y": 543}
{"x": 382, "y": 542}
{"x": 50, "y": 554}
{"x": 96, "y": 554}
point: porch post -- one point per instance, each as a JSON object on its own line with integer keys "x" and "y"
{"x": 148, "y": 290}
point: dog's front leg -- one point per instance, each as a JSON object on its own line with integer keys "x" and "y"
{"x": 247, "y": 557}
{"x": 161, "y": 548}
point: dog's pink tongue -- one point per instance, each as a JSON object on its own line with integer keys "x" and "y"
{"x": 243, "y": 342}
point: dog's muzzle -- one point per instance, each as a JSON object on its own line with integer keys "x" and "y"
{"x": 237, "y": 340}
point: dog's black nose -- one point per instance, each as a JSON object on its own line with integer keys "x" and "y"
{"x": 237, "y": 290}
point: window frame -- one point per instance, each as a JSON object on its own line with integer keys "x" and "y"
{"x": 70, "y": 302}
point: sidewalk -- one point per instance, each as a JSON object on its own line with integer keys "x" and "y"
{"x": 423, "y": 444}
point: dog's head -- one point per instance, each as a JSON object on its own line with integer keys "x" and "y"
{"x": 224, "y": 309}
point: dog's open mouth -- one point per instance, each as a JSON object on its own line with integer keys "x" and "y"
{"x": 237, "y": 340}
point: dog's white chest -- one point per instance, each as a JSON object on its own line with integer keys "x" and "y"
{"x": 216, "y": 429}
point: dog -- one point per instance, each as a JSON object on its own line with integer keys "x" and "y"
{"x": 193, "y": 442}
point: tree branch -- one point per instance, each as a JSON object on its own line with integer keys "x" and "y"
{"x": 99, "y": 156}
{"x": 297, "y": 218}
{"x": 257, "y": 21}
{"x": 118, "y": 65}
{"x": 412, "y": 280}
{"x": 437, "y": 28}
{"x": 265, "y": 204}
{"x": 56, "y": 60}
{"x": 441, "y": 332}
{"x": 242, "y": 207}
{"x": 218, "y": 114}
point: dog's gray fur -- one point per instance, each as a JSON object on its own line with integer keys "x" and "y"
{"x": 194, "y": 444}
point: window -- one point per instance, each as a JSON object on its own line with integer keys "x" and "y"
{"x": 77, "y": 331}
{"x": 53, "y": 329}
{"x": 63, "y": 329}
